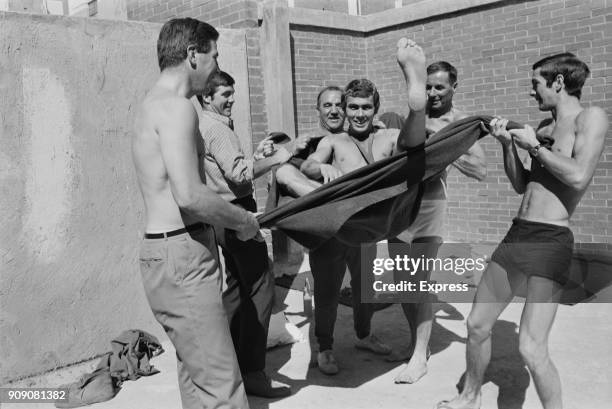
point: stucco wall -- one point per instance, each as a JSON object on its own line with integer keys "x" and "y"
{"x": 70, "y": 209}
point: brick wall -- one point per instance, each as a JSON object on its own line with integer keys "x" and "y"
{"x": 219, "y": 13}
{"x": 493, "y": 48}
{"x": 322, "y": 57}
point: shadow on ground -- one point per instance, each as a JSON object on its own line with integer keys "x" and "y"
{"x": 357, "y": 367}
{"x": 506, "y": 370}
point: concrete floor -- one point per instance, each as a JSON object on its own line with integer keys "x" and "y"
{"x": 580, "y": 346}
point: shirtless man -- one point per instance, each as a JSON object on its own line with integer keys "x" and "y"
{"x": 330, "y": 103}
{"x": 343, "y": 153}
{"x": 424, "y": 236}
{"x": 537, "y": 250}
{"x": 178, "y": 256}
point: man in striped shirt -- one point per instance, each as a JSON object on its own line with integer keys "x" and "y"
{"x": 249, "y": 296}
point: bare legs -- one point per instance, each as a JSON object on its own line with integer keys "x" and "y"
{"x": 492, "y": 297}
{"x": 418, "y": 313}
{"x": 420, "y": 317}
{"x": 536, "y": 322}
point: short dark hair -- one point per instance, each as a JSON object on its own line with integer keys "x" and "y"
{"x": 178, "y": 34}
{"x": 574, "y": 71}
{"x": 443, "y": 66}
{"x": 330, "y": 88}
{"x": 362, "y": 88}
{"x": 216, "y": 80}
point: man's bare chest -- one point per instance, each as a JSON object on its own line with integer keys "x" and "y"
{"x": 351, "y": 154}
{"x": 563, "y": 135}
{"x": 433, "y": 125}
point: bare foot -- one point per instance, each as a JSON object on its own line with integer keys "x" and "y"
{"x": 415, "y": 370}
{"x": 459, "y": 402}
{"x": 411, "y": 59}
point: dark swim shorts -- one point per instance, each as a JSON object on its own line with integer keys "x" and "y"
{"x": 536, "y": 249}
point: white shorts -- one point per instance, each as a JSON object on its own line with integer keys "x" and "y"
{"x": 429, "y": 221}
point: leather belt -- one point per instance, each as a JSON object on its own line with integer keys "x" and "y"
{"x": 190, "y": 228}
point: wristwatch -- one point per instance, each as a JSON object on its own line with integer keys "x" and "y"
{"x": 535, "y": 151}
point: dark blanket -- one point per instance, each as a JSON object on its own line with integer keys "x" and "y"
{"x": 377, "y": 201}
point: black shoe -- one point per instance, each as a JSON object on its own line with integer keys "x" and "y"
{"x": 259, "y": 384}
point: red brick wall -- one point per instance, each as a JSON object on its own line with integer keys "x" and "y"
{"x": 323, "y": 57}
{"x": 493, "y": 48}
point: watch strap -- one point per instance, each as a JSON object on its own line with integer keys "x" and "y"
{"x": 535, "y": 150}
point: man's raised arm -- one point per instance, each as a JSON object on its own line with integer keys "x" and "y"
{"x": 230, "y": 159}
{"x": 577, "y": 170}
{"x": 261, "y": 166}
{"x": 473, "y": 163}
{"x": 179, "y": 152}
{"x": 316, "y": 167}
{"x": 516, "y": 172}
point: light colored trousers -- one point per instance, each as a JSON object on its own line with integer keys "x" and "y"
{"x": 182, "y": 281}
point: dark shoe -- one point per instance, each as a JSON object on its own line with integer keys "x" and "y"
{"x": 373, "y": 344}
{"x": 379, "y": 306}
{"x": 327, "y": 363}
{"x": 259, "y": 384}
